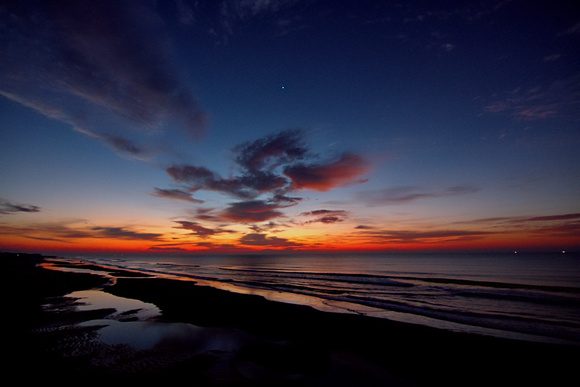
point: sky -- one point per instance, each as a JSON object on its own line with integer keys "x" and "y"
{"x": 240, "y": 126}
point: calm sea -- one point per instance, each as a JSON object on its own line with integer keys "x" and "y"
{"x": 528, "y": 296}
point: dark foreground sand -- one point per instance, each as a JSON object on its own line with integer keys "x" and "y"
{"x": 275, "y": 344}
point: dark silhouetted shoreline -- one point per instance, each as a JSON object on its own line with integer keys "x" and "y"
{"x": 289, "y": 345}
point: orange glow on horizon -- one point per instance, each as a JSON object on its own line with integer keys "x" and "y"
{"x": 312, "y": 242}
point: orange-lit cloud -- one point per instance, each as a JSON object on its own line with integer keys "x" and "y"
{"x": 323, "y": 177}
{"x": 272, "y": 166}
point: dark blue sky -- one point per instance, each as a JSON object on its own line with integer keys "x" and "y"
{"x": 256, "y": 124}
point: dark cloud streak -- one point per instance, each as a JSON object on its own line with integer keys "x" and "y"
{"x": 326, "y": 216}
{"x": 91, "y": 59}
{"x": 407, "y": 194}
{"x": 68, "y": 231}
{"x": 7, "y": 207}
{"x": 176, "y": 194}
{"x": 121, "y": 233}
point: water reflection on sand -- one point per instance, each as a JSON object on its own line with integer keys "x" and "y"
{"x": 126, "y": 308}
{"x": 135, "y": 323}
{"x": 175, "y": 336}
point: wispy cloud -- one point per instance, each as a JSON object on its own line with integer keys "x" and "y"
{"x": 560, "y": 99}
{"x": 565, "y": 225}
{"x": 551, "y": 58}
{"x": 563, "y": 229}
{"x": 420, "y": 236}
{"x": 124, "y": 146}
{"x": 407, "y": 194}
{"x": 552, "y": 217}
{"x": 546, "y": 226}
{"x": 98, "y": 66}
{"x": 8, "y": 207}
{"x": 71, "y": 230}
{"x": 231, "y": 15}
{"x": 523, "y": 219}
{"x": 176, "y": 194}
{"x": 573, "y": 30}
{"x": 47, "y": 239}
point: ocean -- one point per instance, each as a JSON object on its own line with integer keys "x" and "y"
{"x": 522, "y": 296}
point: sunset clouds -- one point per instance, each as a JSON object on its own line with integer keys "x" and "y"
{"x": 327, "y": 175}
{"x": 72, "y": 232}
{"x": 257, "y": 162}
{"x": 273, "y": 166}
{"x": 273, "y": 174}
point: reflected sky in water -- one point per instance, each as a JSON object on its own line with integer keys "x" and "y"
{"x": 134, "y": 323}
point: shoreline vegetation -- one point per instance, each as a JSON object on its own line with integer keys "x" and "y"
{"x": 275, "y": 343}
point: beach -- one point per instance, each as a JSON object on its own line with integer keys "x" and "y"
{"x": 220, "y": 338}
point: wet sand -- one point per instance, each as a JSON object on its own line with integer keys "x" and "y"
{"x": 227, "y": 339}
